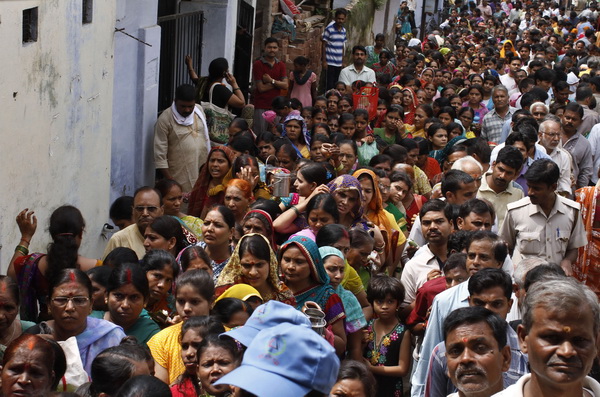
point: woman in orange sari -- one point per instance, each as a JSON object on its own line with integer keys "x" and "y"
{"x": 384, "y": 220}
{"x": 587, "y": 266}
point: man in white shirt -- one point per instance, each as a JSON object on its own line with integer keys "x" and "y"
{"x": 549, "y": 138}
{"x": 358, "y": 70}
{"x": 510, "y": 80}
{"x": 436, "y": 225}
{"x": 559, "y": 331}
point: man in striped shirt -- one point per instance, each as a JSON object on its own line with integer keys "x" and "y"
{"x": 334, "y": 41}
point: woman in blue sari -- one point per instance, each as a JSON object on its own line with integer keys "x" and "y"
{"x": 70, "y": 303}
{"x": 305, "y": 276}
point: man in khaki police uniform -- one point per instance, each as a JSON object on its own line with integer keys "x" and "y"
{"x": 544, "y": 225}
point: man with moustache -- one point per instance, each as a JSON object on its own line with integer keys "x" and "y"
{"x": 549, "y": 138}
{"x": 544, "y": 224}
{"x": 477, "y": 352}
{"x": 147, "y": 205}
{"x": 181, "y": 141}
{"x": 496, "y": 184}
{"x": 492, "y": 290}
{"x": 436, "y": 226}
{"x": 484, "y": 250}
{"x": 560, "y": 325}
{"x": 576, "y": 144}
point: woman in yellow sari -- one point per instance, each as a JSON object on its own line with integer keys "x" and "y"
{"x": 507, "y": 46}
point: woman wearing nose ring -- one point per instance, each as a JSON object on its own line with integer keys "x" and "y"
{"x": 218, "y": 228}
{"x": 254, "y": 263}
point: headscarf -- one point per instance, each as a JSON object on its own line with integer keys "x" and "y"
{"x": 355, "y": 319}
{"x": 512, "y": 49}
{"x": 376, "y": 212}
{"x": 320, "y": 293}
{"x": 326, "y": 251}
{"x": 305, "y": 133}
{"x": 348, "y": 182}
{"x": 240, "y": 291}
{"x": 264, "y": 217}
{"x": 409, "y": 116}
{"x": 201, "y": 194}
{"x": 232, "y": 274}
{"x": 423, "y": 81}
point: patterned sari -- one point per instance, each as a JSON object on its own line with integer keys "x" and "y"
{"x": 587, "y": 266}
{"x": 345, "y": 183}
{"x": 322, "y": 293}
{"x": 232, "y": 275}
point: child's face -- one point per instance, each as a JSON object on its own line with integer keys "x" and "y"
{"x": 300, "y": 68}
{"x": 397, "y": 99}
{"x": 381, "y": 109}
{"x": 344, "y": 106}
{"x": 333, "y": 124}
{"x": 334, "y": 265}
{"x": 265, "y": 150}
{"x": 387, "y": 307}
{"x": 341, "y": 88}
{"x": 455, "y": 132}
{"x": 455, "y": 277}
{"x": 321, "y": 104}
{"x": 316, "y": 154}
{"x": 348, "y": 129}
{"x": 361, "y": 124}
{"x": 384, "y": 188}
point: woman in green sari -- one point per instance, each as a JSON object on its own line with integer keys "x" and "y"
{"x": 127, "y": 292}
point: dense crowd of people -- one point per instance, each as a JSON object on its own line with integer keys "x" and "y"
{"x": 428, "y": 227}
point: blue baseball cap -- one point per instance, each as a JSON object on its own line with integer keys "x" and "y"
{"x": 286, "y": 360}
{"x": 265, "y": 316}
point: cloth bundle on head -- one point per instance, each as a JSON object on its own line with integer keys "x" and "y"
{"x": 286, "y": 360}
{"x": 269, "y": 116}
{"x": 265, "y": 316}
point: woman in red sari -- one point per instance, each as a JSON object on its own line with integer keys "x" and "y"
{"x": 210, "y": 186}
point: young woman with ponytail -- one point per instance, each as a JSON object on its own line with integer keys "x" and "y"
{"x": 34, "y": 271}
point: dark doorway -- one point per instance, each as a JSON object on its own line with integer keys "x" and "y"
{"x": 181, "y": 35}
{"x": 243, "y": 46}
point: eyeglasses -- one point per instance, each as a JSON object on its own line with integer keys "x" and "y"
{"x": 556, "y": 135}
{"x": 141, "y": 209}
{"x": 62, "y": 301}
